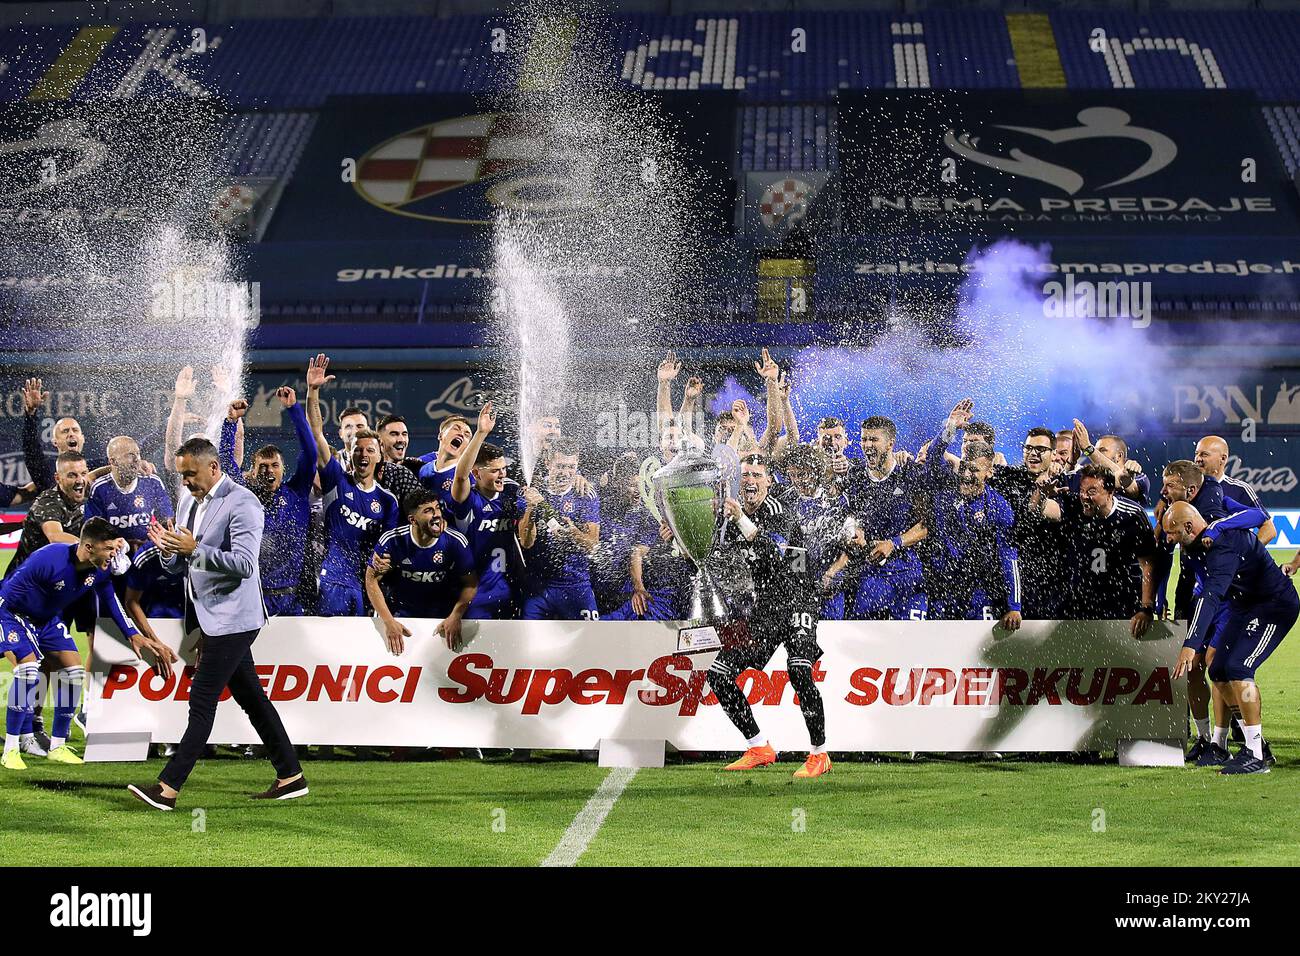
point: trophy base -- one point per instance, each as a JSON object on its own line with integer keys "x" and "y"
{"x": 703, "y": 638}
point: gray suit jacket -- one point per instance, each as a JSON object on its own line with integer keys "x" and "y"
{"x": 223, "y": 571}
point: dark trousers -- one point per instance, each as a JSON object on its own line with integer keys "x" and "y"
{"x": 227, "y": 661}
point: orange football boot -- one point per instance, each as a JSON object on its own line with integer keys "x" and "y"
{"x": 815, "y": 766}
{"x": 754, "y": 757}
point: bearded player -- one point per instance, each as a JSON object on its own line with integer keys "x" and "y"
{"x": 768, "y": 537}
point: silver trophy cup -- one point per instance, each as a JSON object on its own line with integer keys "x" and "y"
{"x": 688, "y": 493}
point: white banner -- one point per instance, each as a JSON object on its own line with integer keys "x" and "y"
{"x": 887, "y": 686}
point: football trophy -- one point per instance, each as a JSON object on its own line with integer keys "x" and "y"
{"x": 689, "y": 492}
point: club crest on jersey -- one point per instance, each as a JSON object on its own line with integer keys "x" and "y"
{"x": 139, "y": 501}
{"x": 90, "y": 580}
{"x": 437, "y": 557}
{"x": 568, "y": 507}
{"x": 13, "y": 637}
{"x": 58, "y": 585}
{"x": 376, "y": 507}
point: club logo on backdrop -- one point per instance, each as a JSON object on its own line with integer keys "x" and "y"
{"x": 62, "y": 152}
{"x": 416, "y": 172}
{"x": 1097, "y": 122}
{"x": 785, "y": 200}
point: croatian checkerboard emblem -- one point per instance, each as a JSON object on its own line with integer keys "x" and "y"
{"x": 785, "y": 199}
{"x": 375, "y": 507}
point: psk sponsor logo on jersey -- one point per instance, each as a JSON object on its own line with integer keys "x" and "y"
{"x": 376, "y": 507}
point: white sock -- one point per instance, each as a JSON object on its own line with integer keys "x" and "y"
{"x": 57, "y": 742}
{"x": 1221, "y": 736}
{"x": 1254, "y": 739}
{"x": 759, "y": 741}
{"x": 1202, "y": 727}
{"x": 11, "y": 742}
{"x": 818, "y": 750}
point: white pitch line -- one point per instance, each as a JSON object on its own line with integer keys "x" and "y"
{"x": 587, "y": 823}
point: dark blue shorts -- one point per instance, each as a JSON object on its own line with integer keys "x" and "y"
{"x": 283, "y": 604}
{"x": 572, "y": 603}
{"x": 22, "y": 639}
{"x": 340, "y": 600}
{"x": 893, "y": 596}
{"x": 1249, "y": 636}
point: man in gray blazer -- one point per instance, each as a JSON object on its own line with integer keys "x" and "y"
{"x": 215, "y": 544}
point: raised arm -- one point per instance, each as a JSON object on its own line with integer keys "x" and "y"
{"x": 316, "y": 379}
{"x": 770, "y": 372}
{"x": 305, "y": 471}
{"x": 664, "y": 377}
{"x": 226, "y": 451}
{"x": 691, "y": 395}
{"x": 38, "y": 467}
{"x": 487, "y": 420}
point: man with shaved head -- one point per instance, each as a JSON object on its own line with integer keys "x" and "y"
{"x": 126, "y": 497}
{"x": 66, "y": 435}
{"x": 1184, "y": 481}
{"x": 1233, "y": 569}
{"x": 1212, "y": 459}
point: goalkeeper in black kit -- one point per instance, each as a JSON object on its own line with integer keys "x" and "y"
{"x": 766, "y": 535}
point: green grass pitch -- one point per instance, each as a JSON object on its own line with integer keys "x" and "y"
{"x": 495, "y": 812}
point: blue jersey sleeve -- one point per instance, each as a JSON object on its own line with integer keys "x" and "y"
{"x": 162, "y": 502}
{"x": 305, "y": 471}
{"x": 226, "y": 452}
{"x": 1239, "y": 516}
{"x": 587, "y": 510}
{"x": 383, "y": 547}
{"x": 1221, "y": 564}
{"x": 331, "y": 473}
{"x": 108, "y": 599}
{"x": 38, "y": 466}
{"x": 462, "y": 556}
{"x": 93, "y": 508}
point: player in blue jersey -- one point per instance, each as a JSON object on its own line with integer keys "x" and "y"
{"x": 821, "y": 512}
{"x": 625, "y": 524}
{"x": 1263, "y": 607}
{"x": 1185, "y": 481}
{"x": 975, "y": 562}
{"x": 32, "y": 605}
{"x": 882, "y": 567}
{"x": 439, "y": 469}
{"x": 357, "y": 509}
{"x": 286, "y": 503}
{"x": 426, "y": 569}
{"x": 558, "y": 531}
{"x": 485, "y": 506}
{"x": 126, "y": 497}
{"x": 151, "y": 588}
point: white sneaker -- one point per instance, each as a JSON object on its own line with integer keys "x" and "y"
{"x": 28, "y": 744}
